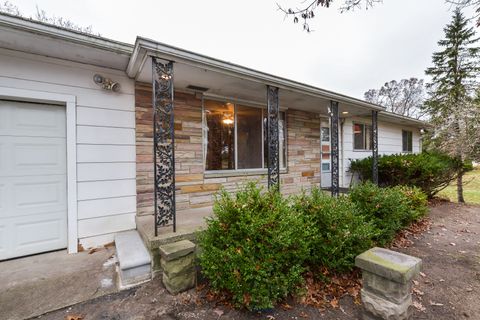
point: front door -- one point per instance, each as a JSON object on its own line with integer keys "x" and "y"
{"x": 325, "y": 162}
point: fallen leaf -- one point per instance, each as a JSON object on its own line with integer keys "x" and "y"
{"x": 334, "y": 303}
{"x": 417, "y": 305}
{"x": 415, "y": 282}
{"x": 110, "y": 244}
{"x": 218, "y": 312}
{"x": 286, "y": 306}
{"x": 452, "y": 244}
{"x": 93, "y": 250}
{"x": 74, "y": 317}
{"x": 303, "y": 315}
{"x": 423, "y": 274}
{"x": 417, "y": 292}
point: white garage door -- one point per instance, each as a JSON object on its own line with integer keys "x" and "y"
{"x": 33, "y": 192}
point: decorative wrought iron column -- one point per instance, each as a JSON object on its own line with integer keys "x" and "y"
{"x": 273, "y": 159}
{"x": 334, "y": 123}
{"x": 163, "y": 144}
{"x": 375, "y": 146}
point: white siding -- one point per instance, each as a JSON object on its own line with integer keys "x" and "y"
{"x": 105, "y": 137}
{"x": 389, "y": 142}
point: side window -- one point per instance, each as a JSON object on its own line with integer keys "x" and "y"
{"x": 407, "y": 141}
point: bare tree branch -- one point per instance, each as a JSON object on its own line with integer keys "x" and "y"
{"x": 9, "y": 8}
{"x": 307, "y": 12}
{"x": 404, "y": 97}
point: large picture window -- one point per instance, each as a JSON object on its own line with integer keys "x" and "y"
{"x": 407, "y": 141}
{"x": 234, "y": 136}
{"x": 362, "y": 136}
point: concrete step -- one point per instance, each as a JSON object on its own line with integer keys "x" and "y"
{"x": 134, "y": 262}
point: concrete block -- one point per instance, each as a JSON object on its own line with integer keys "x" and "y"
{"x": 134, "y": 262}
{"x": 176, "y": 250}
{"x": 390, "y": 290}
{"x": 387, "y": 275}
{"x": 180, "y": 282}
{"x": 394, "y": 266}
{"x": 376, "y": 307}
{"x": 178, "y": 266}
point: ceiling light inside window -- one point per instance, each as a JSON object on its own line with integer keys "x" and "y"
{"x": 227, "y": 118}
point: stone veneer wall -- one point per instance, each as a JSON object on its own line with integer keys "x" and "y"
{"x": 193, "y": 188}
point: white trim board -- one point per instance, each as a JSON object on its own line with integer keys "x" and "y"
{"x": 69, "y": 101}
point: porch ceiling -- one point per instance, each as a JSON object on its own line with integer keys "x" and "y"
{"x": 225, "y": 80}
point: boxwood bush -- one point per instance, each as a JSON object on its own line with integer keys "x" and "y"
{"x": 335, "y": 231}
{"x": 428, "y": 171}
{"x": 254, "y": 247}
{"x": 258, "y": 243}
{"x": 389, "y": 209}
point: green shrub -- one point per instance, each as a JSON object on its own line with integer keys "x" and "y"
{"x": 431, "y": 172}
{"x": 336, "y": 233}
{"x": 254, "y": 247}
{"x": 389, "y": 209}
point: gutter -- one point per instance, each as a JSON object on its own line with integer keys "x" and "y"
{"x": 55, "y": 32}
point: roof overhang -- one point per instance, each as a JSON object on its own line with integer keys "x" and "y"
{"x": 403, "y": 120}
{"x": 34, "y": 37}
{"x": 225, "y": 79}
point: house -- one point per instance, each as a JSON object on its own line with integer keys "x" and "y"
{"x": 77, "y": 135}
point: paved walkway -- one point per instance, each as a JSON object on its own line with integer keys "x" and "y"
{"x": 34, "y": 285}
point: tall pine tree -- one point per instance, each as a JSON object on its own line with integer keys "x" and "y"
{"x": 451, "y": 104}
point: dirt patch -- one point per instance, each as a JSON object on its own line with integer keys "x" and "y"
{"x": 448, "y": 288}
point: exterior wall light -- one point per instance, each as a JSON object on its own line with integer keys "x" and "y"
{"x": 106, "y": 83}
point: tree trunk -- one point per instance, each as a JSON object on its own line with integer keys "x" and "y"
{"x": 460, "y": 188}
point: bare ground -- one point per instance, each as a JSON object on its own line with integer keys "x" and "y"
{"x": 448, "y": 288}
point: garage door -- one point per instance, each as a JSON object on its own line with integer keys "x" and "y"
{"x": 33, "y": 193}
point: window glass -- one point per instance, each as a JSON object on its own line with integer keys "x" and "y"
{"x": 249, "y": 137}
{"x": 407, "y": 141}
{"x": 325, "y": 166}
{"x": 362, "y": 136}
{"x": 325, "y": 134}
{"x": 358, "y": 136}
{"x": 219, "y": 128}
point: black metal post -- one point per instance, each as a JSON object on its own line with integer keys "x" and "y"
{"x": 334, "y": 123}
{"x": 375, "y": 146}
{"x": 163, "y": 143}
{"x": 273, "y": 159}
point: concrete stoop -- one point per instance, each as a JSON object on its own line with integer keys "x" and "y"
{"x": 134, "y": 263}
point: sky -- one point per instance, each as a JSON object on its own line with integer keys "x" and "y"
{"x": 347, "y": 53}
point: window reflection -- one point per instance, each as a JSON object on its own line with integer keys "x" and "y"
{"x": 220, "y": 128}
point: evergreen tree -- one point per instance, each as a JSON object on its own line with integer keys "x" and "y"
{"x": 451, "y": 105}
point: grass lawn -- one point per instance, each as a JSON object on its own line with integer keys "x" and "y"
{"x": 471, "y": 188}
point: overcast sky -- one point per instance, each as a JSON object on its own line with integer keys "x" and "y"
{"x": 347, "y": 53}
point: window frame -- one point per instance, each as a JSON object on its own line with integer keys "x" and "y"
{"x": 409, "y": 139}
{"x": 237, "y": 171}
{"x": 364, "y": 126}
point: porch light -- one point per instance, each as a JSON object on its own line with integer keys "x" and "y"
{"x": 344, "y": 112}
